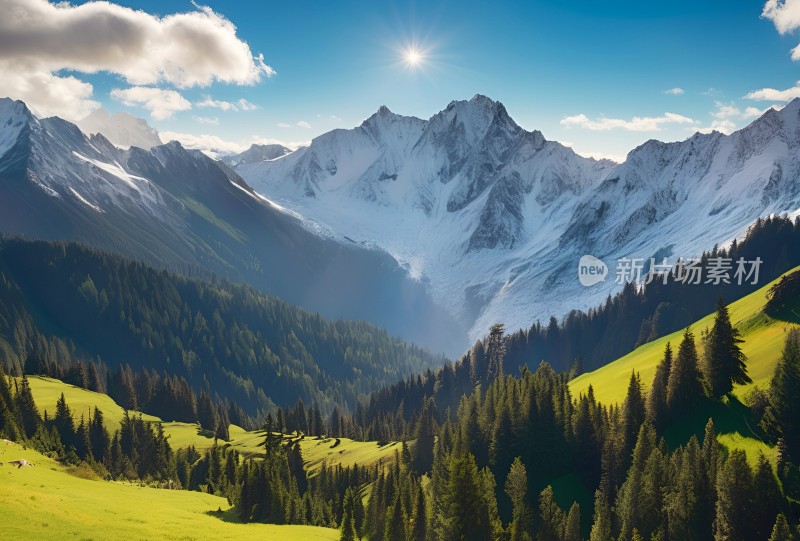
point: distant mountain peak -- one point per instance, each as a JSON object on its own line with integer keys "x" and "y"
{"x": 122, "y": 129}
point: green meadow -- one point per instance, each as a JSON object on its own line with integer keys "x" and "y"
{"x": 48, "y": 502}
{"x": 763, "y": 343}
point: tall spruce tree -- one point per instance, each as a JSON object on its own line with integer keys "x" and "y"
{"x": 496, "y": 352}
{"x": 734, "y": 510}
{"x": 782, "y": 417}
{"x": 657, "y": 397}
{"x": 685, "y": 386}
{"x": 724, "y": 363}
{"x": 781, "y": 530}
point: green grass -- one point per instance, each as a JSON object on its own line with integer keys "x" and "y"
{"x": 763, "y": 343}
{"x": 46, "y": 392}
{"x": 45, "y": 502}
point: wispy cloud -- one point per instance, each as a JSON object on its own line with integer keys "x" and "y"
{"x": 212, "y": 120}
{"x": 305, "y": 125}
{"x": 235, "y": 106}
{"x": 677, "y": 91}
{"x": 636, "y": 124}
{"x": 772, "y": 94}
{"x": 785, "y": 15}
{"x": 726, "y": 117}
{"x": 161, "y": 103}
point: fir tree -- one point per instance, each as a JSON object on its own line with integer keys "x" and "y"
{"x": 734, "y": 519}
{"x": 348, "y": 523}
{"x": 685, "y": 386}
{"x": 657, "y": 397}
{"x": 781, "y": 530}
{"x": 782, "y": 418}
{"x": 495, "y": 352}
{"x": 724, "y": 363}
{"x": 601, "y": 526}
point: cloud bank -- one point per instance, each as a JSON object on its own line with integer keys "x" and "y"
{"x": 40, "y": 39}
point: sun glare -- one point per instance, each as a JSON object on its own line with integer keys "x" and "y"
{"x": 413, "y": 57}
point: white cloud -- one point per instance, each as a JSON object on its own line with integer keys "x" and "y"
{"x": 675, "y": 91}
{"x": 335, "y": 118}
{"x": 637, "y": 124}
{"x": 305, "y": 125}
{"x": 771, "y": 94}
{"x": 215, "y": 146}
{"x": 47, "y": 94}
{"x": 785, "y": 15}
{"x": 284, "y": 125}
{"x": 39, "y": 39}
{"x": 161, "y": 103}
{"x": 726, "y": 116}
{"x": 212, "y": 120}
{"x": 235, "y": 106}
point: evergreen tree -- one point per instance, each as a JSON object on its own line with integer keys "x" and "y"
{"x": 601, "y": 527}
{"x": 27, "y": 412}
{"x": 551, "y": 517}
{"x": 657, "y": 397}
{"x": 734, "y": 518}
{"x": 348, "y": 523}
{"x": 782, "y": 418}
{"x": 781, "y": 531}
{"x": 419, "y": 530}
{"x": 685, "y": 386}
{"x": 64, "y": 422}
{"x": 516, "y": 487}
{"x": 572, "y": 526}
{"x": 724, "y": 362}
{"x": 495, "y": 352}
{"x": 395, "y": 529}
{"x": 466, "y": 511}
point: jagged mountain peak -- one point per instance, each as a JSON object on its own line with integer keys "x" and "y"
{"x": 123, "y": 129}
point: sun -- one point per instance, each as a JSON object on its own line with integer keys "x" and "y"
{"x": 413, "y": 57}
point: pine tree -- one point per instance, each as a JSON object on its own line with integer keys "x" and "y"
{"x": 633, "y": 414}
{"x": 551, "y": 517}
{"x": 395, "y": 529}
{"x": 767, "y": 497}
{"x": 64, "y": 422}
{"x": 657, "y": 397}
{"x": 29, "y": 419}
{"x": 724, "y": 362}
{"x": 734, "y": 520}
{"x": 572, "y": 526}
{"x": 516, "y": 487}
{"x": 348, "y": 524}
{"x": 685, "y": 387}
{"x": 782, "y": 417}
{"x": 601, "y": 527}
{"x": 419, "y": 530}
{"x": 465, "y": 509}
{"x": 496, "y": 352}
{"x": 781, "y": 531}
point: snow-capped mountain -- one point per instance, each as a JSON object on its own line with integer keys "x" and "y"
{"x": 256, "y": 153}
{"x": 494, "y": 218}
{"x": 122, "y": 129}
{"x": 178, "y": 208}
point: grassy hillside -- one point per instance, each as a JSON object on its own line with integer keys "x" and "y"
{"x": 763, "y": 343}
{"x": 46, "y": 392}
{"x": 48, "y": 502}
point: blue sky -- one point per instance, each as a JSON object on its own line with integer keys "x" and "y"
{"x": 578, "y": 71}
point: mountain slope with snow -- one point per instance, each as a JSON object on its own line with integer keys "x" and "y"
{"x": 494, "y": 218}
{"x": 177, "y": 208}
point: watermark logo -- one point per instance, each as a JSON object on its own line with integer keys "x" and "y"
{"x": 591, "y": 271}
{"x": 693, "y": 271}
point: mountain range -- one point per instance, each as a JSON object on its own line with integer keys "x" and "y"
{"x": 178, "y": 209}
{"x": 493, "y": 218}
